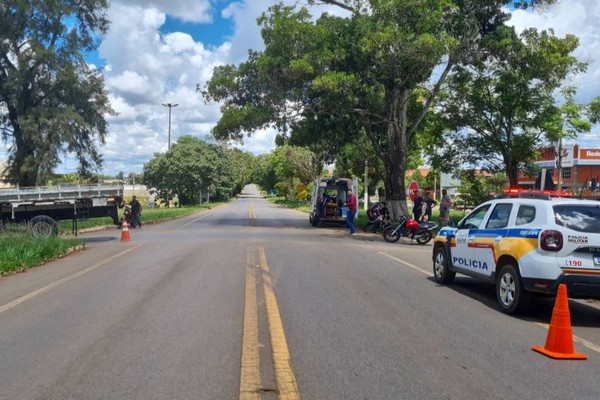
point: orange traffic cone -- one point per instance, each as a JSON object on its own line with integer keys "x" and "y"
{"x": 125, "y": 232}
{"x": 559, "y": 343}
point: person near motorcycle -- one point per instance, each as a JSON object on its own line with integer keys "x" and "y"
{"x": 427, "y": 204}
{"x": 136, "y": 212}
{"x": 378, "y": 214}
{"x": 352, "y": 205}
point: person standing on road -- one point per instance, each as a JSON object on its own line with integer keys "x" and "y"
{"x": 428, "y": 204}
{"x": 445, "y": 205}
{"x": 417, "y": 205}
{"x": 352, "y": 205}
{"x": 136, "y": 213}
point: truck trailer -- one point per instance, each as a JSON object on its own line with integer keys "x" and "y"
{"x": 41, "y": 207}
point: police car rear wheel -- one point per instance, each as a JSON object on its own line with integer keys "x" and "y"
{"x": 509, "y": 291}
{"x": 441, "y": 272}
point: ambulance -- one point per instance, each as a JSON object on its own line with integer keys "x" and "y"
{"x": 328, "y": 199}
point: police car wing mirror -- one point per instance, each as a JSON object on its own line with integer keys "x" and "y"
{"x": 453, "y": 223}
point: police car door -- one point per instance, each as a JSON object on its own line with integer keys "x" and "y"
{"x": 462, "y": 253}
{"x": 486, "y": 240}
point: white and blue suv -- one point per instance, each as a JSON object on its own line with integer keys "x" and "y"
{"x": 525, "y": 244}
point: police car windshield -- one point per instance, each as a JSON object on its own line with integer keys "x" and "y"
{"x": 581, "y": 218}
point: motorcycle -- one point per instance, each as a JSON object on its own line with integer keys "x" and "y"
{"x": 422, "y": 232}
{"x": 127, "y": 216}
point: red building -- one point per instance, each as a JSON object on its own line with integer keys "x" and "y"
{"x": 580, "y": 168}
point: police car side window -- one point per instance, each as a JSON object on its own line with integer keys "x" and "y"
{"x": 525, "y": 215}
{"x": 475, "y": 219}
{"x": 499, "y": 217}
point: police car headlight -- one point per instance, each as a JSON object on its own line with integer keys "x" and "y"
{"x": 551, "y": 240}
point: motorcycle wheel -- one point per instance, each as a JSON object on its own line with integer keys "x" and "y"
{"x": 391, "y": 234}
{"x": 425, "y": 237}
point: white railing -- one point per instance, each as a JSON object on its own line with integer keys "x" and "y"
{"x": 59, "y": 192}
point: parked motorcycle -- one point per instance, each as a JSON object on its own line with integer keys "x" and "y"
{"x": 127, "y": 216}
{"x": 422, "y": 232}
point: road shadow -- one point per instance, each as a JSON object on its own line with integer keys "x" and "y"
{"x": 582, "y": 314}
{"x": 97, "y": 239}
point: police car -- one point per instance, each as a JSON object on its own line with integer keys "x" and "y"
{"x": 526, "y": 244}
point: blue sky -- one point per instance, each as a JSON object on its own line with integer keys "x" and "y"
{"x": 157, "y": 51}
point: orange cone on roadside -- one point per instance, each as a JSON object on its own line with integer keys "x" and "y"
{"x": 125, "y": 232}
{"x": 559, "y": 343}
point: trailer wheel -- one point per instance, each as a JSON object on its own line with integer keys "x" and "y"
{"x": 43, "y": 226}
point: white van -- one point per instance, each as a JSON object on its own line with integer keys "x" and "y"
{"x": 328, "y": 199}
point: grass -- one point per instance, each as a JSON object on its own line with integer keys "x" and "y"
{"x": 21, "y": 251}
{"x": 149, "y": 215}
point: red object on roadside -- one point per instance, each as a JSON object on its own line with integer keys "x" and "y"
{"x": 411, "y": 189}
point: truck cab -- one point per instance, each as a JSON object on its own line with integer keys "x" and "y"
{"x": 328, "y": 199}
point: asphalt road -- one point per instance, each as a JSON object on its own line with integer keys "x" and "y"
{"x": 249, "y": 301}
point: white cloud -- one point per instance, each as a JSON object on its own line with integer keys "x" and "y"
{"x": 145, "y": 68}
{"x": 579, "y": 18}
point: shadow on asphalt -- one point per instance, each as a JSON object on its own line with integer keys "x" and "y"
{"x": 583, "y": 313}
{"x": 98, "y": 239}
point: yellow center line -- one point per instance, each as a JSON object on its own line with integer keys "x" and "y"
{"x": 284, "y": 375}
{"x": 251, "y": 212}
{"x": 250, "y": 370}
{"x": 51, "y": 286}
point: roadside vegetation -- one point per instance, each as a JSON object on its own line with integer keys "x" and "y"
{"x": 149, "y": 215}
{"x": 361, "y": 221}
{"x": 21, "y": 250}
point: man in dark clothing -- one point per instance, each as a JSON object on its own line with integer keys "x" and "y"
{"x": 136, "y": 212}
{"x": 417, "y": 206}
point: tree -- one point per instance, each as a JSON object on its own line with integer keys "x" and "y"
{"x": 327, "y": 79}
{"x": 51, "y": 102}
{"x": 190, "y": 167}
{"x": 498, "y": 109}
{"x": 571, "y": 119}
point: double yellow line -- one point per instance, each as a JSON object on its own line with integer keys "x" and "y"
{"x": 250, "y": 382}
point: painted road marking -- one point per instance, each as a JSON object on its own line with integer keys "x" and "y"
{"x": 577, "y": 339}
{"x": 250, "y": 371}
{"x": 63, "y": 280}
{"x": 287, "y": 388}
{"x": 196, "y": 220}
{"x": 251, "y": 212}
{"x": 413, "y": 266}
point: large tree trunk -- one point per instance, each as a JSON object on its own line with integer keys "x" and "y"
{"x": 397, "y": 152}
{"x": 23, "y": 168}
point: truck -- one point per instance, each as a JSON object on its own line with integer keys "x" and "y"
{"x": 328, "y": 199}
{"x": 41, "y": 207}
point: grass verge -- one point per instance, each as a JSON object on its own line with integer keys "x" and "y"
{"x": 21, "y": 251}
{"x": 149, "y": 215}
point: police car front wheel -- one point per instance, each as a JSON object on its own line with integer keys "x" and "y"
{"x": 509, "y": 291}
{"x": 441, "y": 272}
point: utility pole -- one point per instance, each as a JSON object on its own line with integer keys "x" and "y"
{"x": 366, "y": 196}
{"x": 170, "y": 105}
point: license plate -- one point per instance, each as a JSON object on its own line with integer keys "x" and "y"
{"x": 596, "y": 260}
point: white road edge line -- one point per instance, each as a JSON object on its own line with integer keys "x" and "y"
{"x": 576, "y": 339}
{"x": 196, "y": 220}
{"x": 413, "y": 266}
{"x": 51, "y": 286}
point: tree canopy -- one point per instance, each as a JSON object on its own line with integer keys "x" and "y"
{"x": 51, "y": 102}
{"x": 380, "y": 69}
{"x": 499, "y": 109}
{"x": 193, "y": 167}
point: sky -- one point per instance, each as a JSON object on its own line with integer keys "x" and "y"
{"x": 157, "y": 51}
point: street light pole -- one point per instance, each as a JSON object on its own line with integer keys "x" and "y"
{"x": 170, "y": 105}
